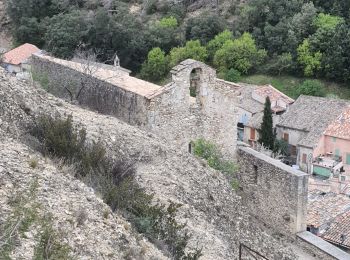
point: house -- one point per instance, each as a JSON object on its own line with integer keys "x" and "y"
{"x": 251, "y": 109}
{"x": 323, "y": 208}
{"x": 338, "y": 232}
{"x": 332, "y": 153}
{"x": 17, "y": 60}
{"x": 304, "y": 125}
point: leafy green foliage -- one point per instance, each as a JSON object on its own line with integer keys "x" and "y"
{"x": 192, "y": 50}
{"x": 327, "y": 21}
{"x": 65, "y": 32}
{"x": 240, "y": 54}
{"x": 281, "y": 146}
{"x": 215, "y": 44}
{"x": 168, "y": 22}
{"x": 204, "y": 27}
{"x": 266, "y": 134}
{"x": 311, "y": 88}
{"x": 209, "y": 152}
{"x": 156, "y": 66}
{"x": 311, "y": 61}
{"x": 233, "y": 75}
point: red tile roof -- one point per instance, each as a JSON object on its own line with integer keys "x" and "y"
{"x": 273, "y": 94}
{"x": 339, "y": 231}
{"x": 341, "y": 126}
{"x": 20, "y": 54}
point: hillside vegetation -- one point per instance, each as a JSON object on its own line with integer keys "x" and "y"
{"x": 295, "y": 37}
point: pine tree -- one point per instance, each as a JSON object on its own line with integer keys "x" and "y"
{"x": 267, "y": 137}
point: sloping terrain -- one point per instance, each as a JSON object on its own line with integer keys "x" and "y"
{"x": 5, "y": 38}
{"x": 213, "y": 212}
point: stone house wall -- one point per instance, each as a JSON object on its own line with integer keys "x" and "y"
{"x": 274, "y": 193}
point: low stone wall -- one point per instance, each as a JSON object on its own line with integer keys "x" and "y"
{"x": 274, "y": 193}
{"x": 320, "y": 248}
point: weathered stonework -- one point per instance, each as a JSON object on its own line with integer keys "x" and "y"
{"x": 168, "y": 111}
{"x": 274, "y": 192}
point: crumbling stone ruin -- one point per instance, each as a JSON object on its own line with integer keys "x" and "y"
{"x": 146, "y": 126}
{"x": 170, "y": 111}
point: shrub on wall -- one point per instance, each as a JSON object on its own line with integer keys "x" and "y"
{"x": 209, "y": 152}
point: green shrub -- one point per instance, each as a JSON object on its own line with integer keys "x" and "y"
{"x": 208, "y": 151}
{"x": 50, "y": 245}
{"x": 311, "y": 88}
{"x": 281, "y": 147}
{"x": 115, "y": 181}
{"x": 233, "y": 75}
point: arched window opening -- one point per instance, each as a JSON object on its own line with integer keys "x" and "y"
{"x": 194, "y": 82}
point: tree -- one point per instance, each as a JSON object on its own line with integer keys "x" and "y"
{"x": 327, "y": 21}
{"x": 311, "y": 61}
{"x": 168, "y": 22}
{"x": 156, "y": 66}
{"x": 192, "y": 50}
{"x": 311, "y": 88}
{"x": 164, "y": 34}
{"x": 218, "y": 41}
{"x": 240, "y": 54}
{"x": 204, "y": 27}
{"x": 65, "y": 32}
{"x": 266, "y": 134}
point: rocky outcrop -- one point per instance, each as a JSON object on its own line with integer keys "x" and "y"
{"x": 215, "y": 216}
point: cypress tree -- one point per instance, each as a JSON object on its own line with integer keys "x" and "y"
{"x": 267, "y": 137}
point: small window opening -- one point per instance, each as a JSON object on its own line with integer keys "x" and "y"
{"x": 256, "y": 174}
{"x": 194, "y": 82}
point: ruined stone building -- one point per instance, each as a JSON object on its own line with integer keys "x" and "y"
{"x": 196, "y": 104}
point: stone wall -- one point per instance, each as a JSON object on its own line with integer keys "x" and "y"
{"x": 97, "y": 94}
{"x": 275, "y": 193}
{"x": 170, "y": 112}
{"x": 211, "y": 115}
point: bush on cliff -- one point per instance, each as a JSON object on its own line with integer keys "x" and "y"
{"x": 115, "y": 181}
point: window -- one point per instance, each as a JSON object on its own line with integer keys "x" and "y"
{"x": 194, "y": 82}
{"x": 304, "y": 158}
{"x": 286, "y": 137}
{"x": 255, "y": 174}
{"x": 343, "y": 178}
{"x": 348, "y": 158}
{"x": 334, "y": 139}
{"x": 293, "y": 150}
{"x": 252, "y": 134}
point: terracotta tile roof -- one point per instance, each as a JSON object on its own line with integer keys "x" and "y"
{"x": 273, "y": 94}
{"x": 20, "y": 54}
{"x": 341, "y": 126}
{"x": 252, "y": 105}
{"x": 339, "y": 230}
{"x": 118, "y": 79}
{"x": 323, "y": 208}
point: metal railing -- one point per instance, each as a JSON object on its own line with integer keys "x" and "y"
{"x": 246, "y": 252}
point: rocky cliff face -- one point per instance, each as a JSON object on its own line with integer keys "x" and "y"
{"x": 5, "y": 38}
{"x": 214, "y": 213}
